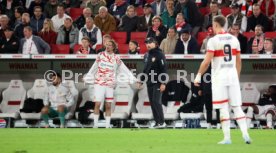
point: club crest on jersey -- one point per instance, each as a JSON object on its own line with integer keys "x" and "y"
{"x": 153, "y": 59}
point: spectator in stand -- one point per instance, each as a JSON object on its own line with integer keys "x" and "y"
{"x": 47, "y": 33}
{"x": 267, "y": 8}
{"x": 92, "y": 32}
{"x": 257, "y": 18}
{"x": 269, "y": 46}
{"x": 133, "y": 47}
{"x": 208, "y": 18}
{"x": 186, "y": 44}
{"x": 50, "y": 9}
{"x": 85, "y": 47}
{"x": 168, "y": 16}
{"x": 59, "y": 18}
{"x": 105, "y": 21}
{"x": 68, "y": 33}
{"x": 80, "y": 21}
{"x": 4, "y": 23}
{"x": 181, "y": 24}
{"x": 17, "y": 18}
{"x": 83, "y": 3}
{"x": 32, "y": 44}
{"x": 9, "y": 44}
{"x": 256, "y": 43}
{"x": 210, "y": 34}
{"x": 168, "y": 44}
{"x": 8, "y": 7}
{"x": 106, "y": 38}
{"x": 37, "y": 20}
{"x": 236, "y": 17}
{"x": 157, "y": 30}
{"x": 129, "y": 21}
{"x": 158, "y": 6}
{"x": 18, "y": 31}
{"x": 235, "y": 30}
{"x": 145, "y": 21}
{"x": 118, "y": 9}
{"x": 95, "y": 5}
{"x": 34, "y": 4}
{"x": 191, "y": 13}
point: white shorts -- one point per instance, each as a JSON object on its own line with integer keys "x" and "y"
{"x": 103, "y": 94}
{"x": 264, "y": 109}
{"x": 225, "y": 96}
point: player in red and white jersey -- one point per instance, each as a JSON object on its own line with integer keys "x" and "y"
{"x": 103, "y": 74}
{"x": 223, "y": 52}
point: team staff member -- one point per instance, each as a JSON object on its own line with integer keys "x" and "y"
{"x": 155, "y": 62}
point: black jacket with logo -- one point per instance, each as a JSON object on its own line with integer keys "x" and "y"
{"x": 155, "y": 61}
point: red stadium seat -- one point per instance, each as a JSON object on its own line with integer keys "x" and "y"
{"x": 119, "y": 37}
{"x": 201, "y": 36}
{"x": 270, "y": 35}
{"x": 76, "y": 48}
{"x": 149, "y": 1}
{"x": 143, "y": 48}
{"x": 140, "y": 11}
{"x": 204, "y": 10}
{"x": 123, "y": 48}
{"x": 75, "y": 12}
{"x": 60, "y": 49}
{"x": 225, "y": 11}
{"x": 138, "y": 36}
{"x": 248, "y": 35}
{"x": 99, "y": 46}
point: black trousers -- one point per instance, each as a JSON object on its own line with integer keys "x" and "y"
{"x": 155, "y": 103}
{"x": 209, "y": 109}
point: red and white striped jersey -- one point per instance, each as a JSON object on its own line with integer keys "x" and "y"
{"x": 225, "y": 47}
{"x": 107, "y": 68}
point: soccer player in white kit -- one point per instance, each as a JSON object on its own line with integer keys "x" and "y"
{"x": 223, "y": 52}
{"x": 103, "y": 73}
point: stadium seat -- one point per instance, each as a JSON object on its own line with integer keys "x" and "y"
{"x": 250, "y": 94}
{"x": 200, "y": 37}
{"x": 225, "y": 11}
{"x": 119, "y": 37}
{"x": 149, "y": 1}
{"x": 13, "y": 99}
{"x": 143, "y": 48}
{"x": 204, "y": 10}
{"x": 143, "y": 107}
{"x": 60, "y": 49}
{"x": 140, "y": 11}
{"x": 87, "y": 95}
{"x": 123, "y": 48}
{"x": 99, "y": 46}
{"x": 75, "y": 93}
{"x": 270, "y": 35}
{"x": 138, "y": 36}
{"x": 124, "y": 95}
{"x": 248, "y": 35}
{"x": 75, "y": 12}
{"x": 38, "y": 91}
{"x": 76, "y": 48}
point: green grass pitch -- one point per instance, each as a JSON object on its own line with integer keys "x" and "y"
{"x": 90, "y": 140}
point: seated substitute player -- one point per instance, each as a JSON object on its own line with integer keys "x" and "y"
{"x": 265, "y": 107}
{"x": 104, "y": 74}
{"x": 58, "y": 100}
{"x": 224, "y": 51}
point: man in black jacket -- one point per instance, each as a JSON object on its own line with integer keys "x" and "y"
{"x": 155, "y": 70}
{"x": 9, "y": 44}
{"x": 186, "y": 44}
{"x": 235, "y": 30}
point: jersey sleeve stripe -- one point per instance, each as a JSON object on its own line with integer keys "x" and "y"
{"x": 221, "y": 101}
{"x": 211, "y": 51}
{"x": 219, "y": 53}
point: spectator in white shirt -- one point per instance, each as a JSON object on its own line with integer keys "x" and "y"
{"x": 32, "y": 44}
{"x": 59, "y": 18}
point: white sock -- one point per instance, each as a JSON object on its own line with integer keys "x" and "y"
{"x": 241, "y": 120}
{"x": 96, "y": 120}
{"x": 249, "y": 116}
{"x": 225, "y": 123}
{"x": 269, "y": 120}
{"x": 107, "y": 119}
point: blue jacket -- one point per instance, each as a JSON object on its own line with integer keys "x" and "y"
{"x": 37, "y": 25}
